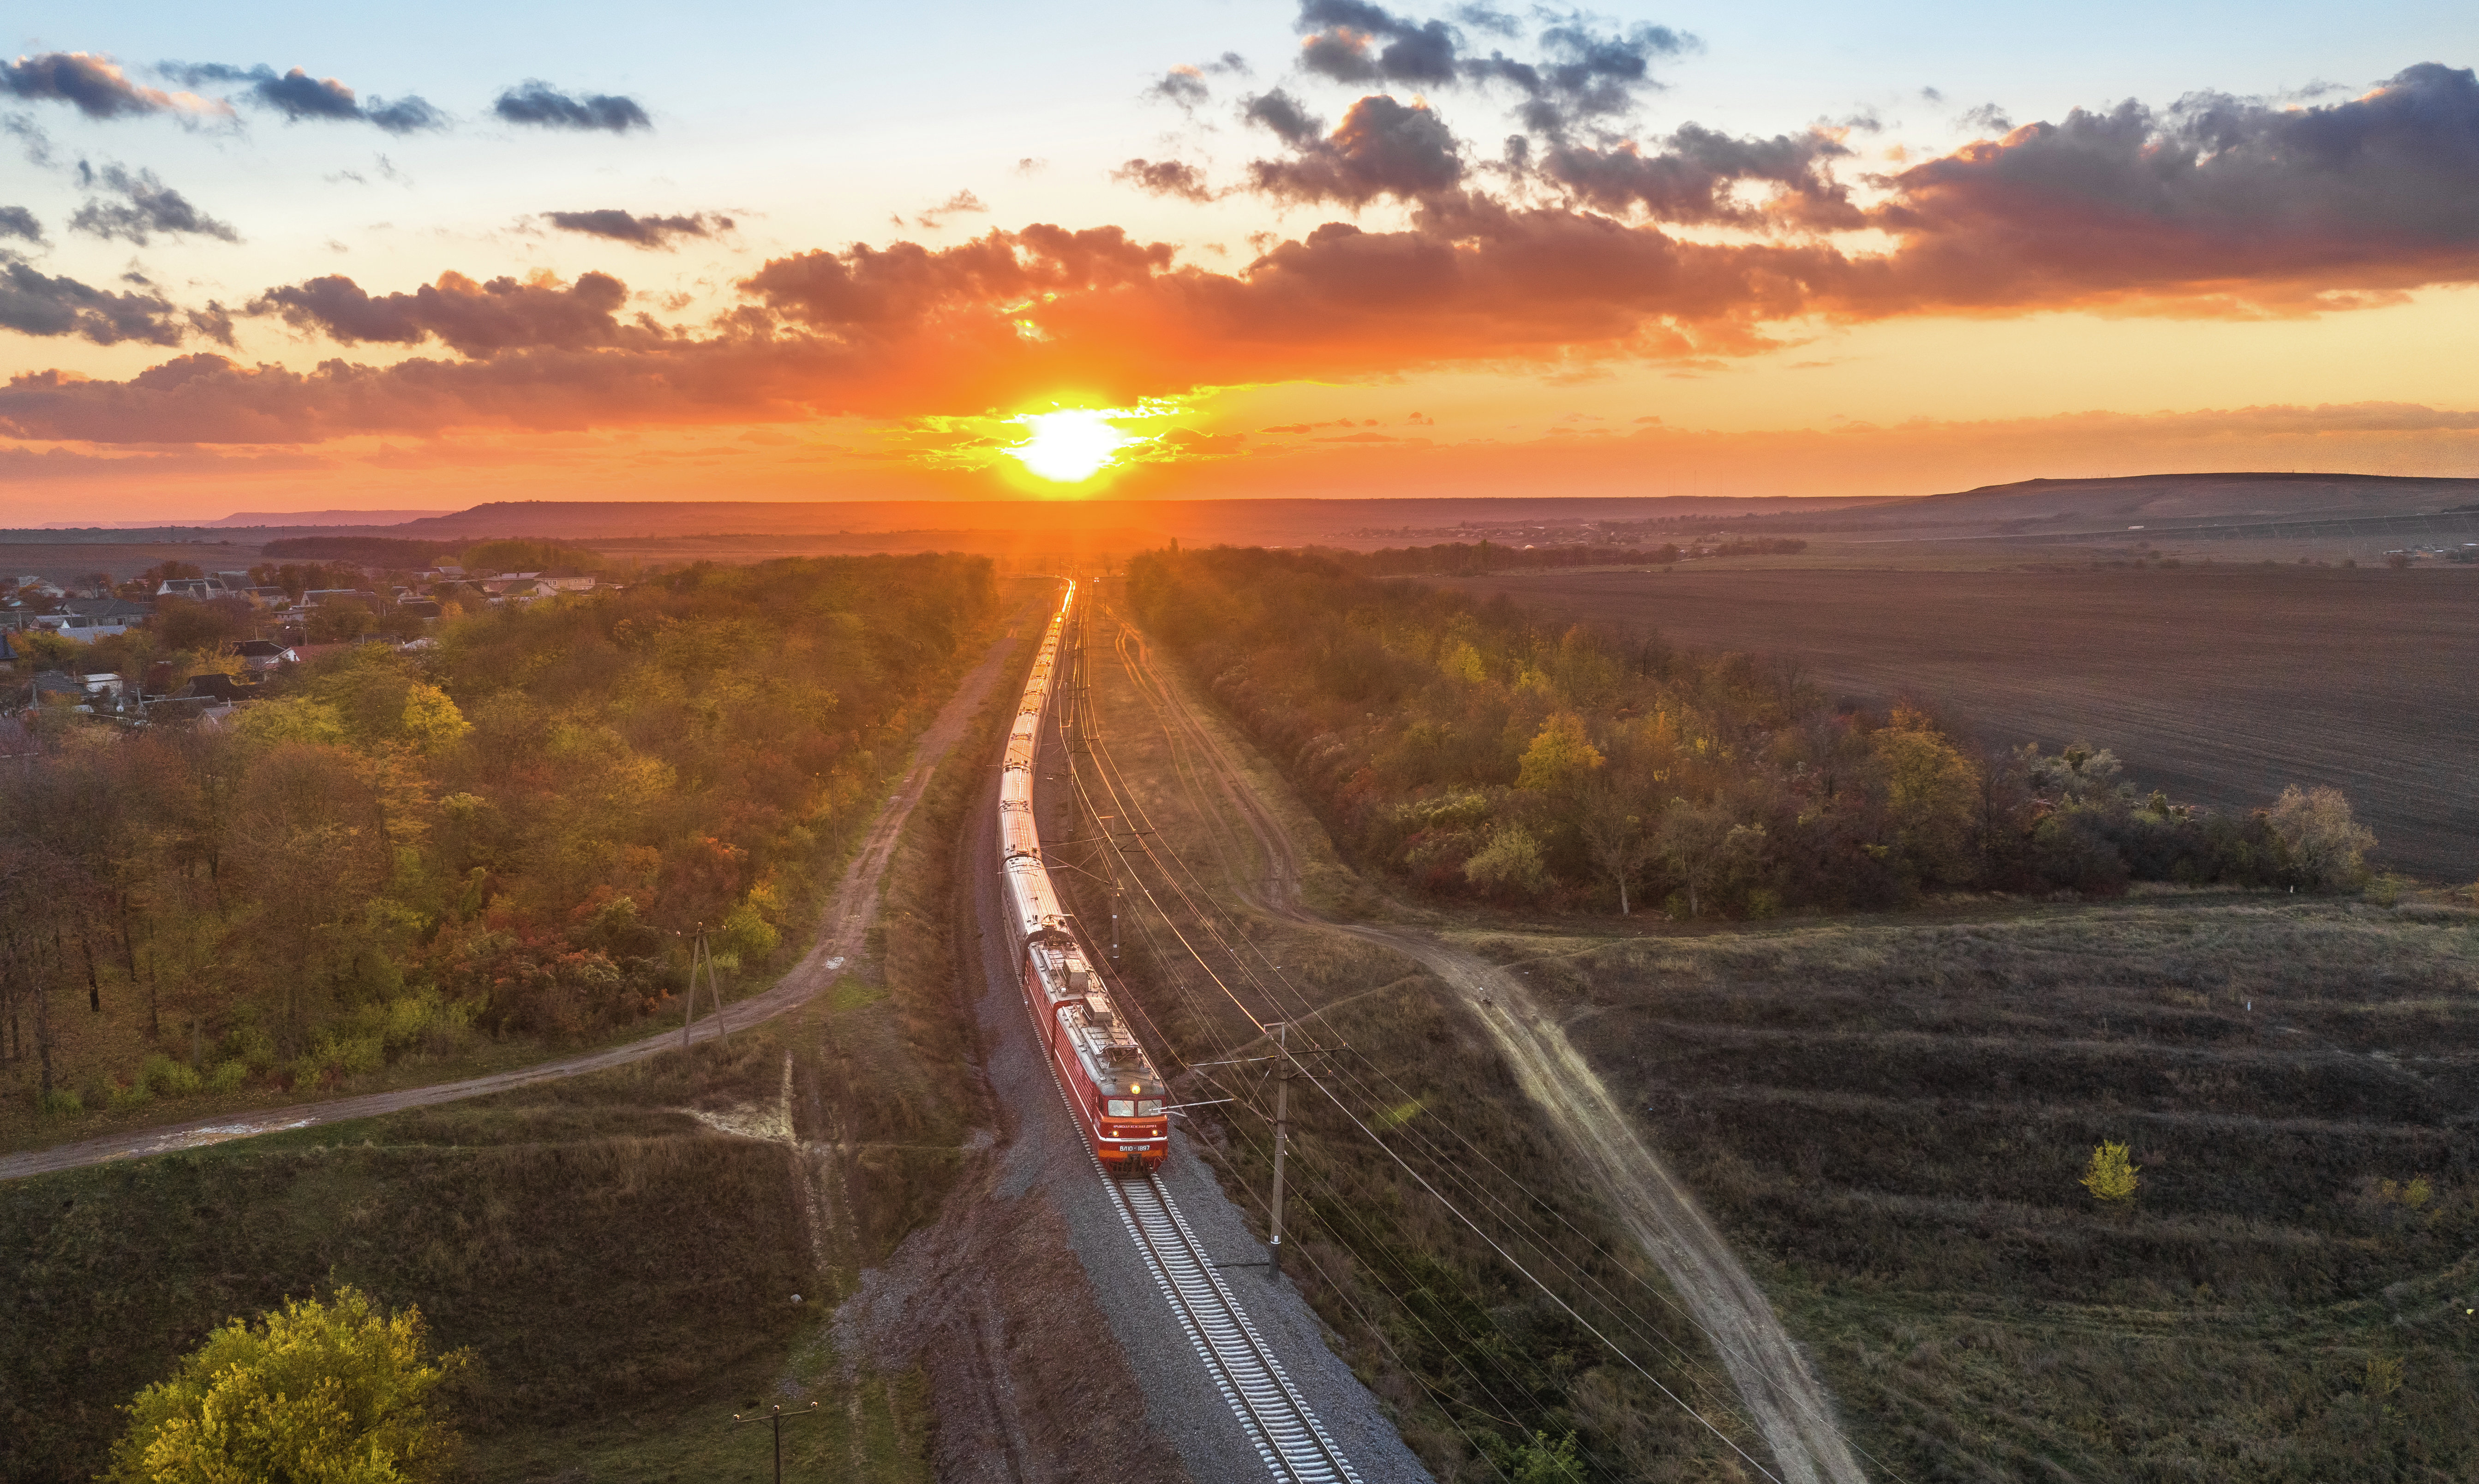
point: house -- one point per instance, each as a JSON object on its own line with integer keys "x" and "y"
{"x": 263, "y": 655}
{"x": 219, "y": 687}
{"x": 198, "y": 588}
{"x": 32, "y": 586}
{"x": 50, "y": 685}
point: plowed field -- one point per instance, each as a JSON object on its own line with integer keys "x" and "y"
{"x": 2218, "y": 685}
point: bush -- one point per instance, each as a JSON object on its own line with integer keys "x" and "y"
{"x": 228, "y": 1076}
{"x": 60, "y": 1103}
{"x": 166, "y": 1076}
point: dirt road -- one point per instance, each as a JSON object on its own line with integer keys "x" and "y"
{"x": 1776, "y": 1385}
{"x": 846, "y": 918}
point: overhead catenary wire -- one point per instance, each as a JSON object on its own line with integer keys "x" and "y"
{"x": 1206, "y": 919}
{"x": 1181, "y": 727}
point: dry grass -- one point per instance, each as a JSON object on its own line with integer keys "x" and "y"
{"x": 1890, "y": 1121}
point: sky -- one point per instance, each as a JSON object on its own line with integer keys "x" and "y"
{"x": 281, "y": 257}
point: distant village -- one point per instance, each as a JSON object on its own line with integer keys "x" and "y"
{"x": 178, "y": 643}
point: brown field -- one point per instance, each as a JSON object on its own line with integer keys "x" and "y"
{"x": 2220, "y": 685}
{"x": 1890, "y": 1118}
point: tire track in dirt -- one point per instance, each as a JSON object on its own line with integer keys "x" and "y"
{"x": 1784, "y": 1400}
{"x": 841, "y": 929}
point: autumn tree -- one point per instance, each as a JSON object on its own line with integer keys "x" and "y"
{"x": 336, "y": 1392}
{"x": 1616, "y": 838}
{"x": 2109, "y": 1176}
{"x": 2327, "y": 848}
{"x": 1690, "y": 839}
{"x": 1932, "y": 794}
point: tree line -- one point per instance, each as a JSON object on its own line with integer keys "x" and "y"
{"x": 1477, "y": 750}
{"x": 1477, "y": 558}
{"x": 511, "y": 834}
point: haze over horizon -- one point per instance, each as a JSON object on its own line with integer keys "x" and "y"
{"x": 296, "y": 261}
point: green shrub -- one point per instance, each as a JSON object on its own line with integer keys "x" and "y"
{"x": 166, "y": 1077}
{"x": 228, "y": 1076}
{"x": 60, "y": 1103}
{"x": 135, "y": 1095}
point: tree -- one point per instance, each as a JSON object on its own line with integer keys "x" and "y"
{"x": 1511, "y": 861}
{"x": 1615, "y": 840}
{"x": 341, "y": 1392}
{"x": 2327, "y": 848}
{"x": 1931, "y": 793}
{"x": 1691, "y": 840}
{"x": 1561, "y": 757}
{"x": 2109, "y": 1177}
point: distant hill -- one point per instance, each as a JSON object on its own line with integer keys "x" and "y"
{"x": 2215, "y": 504}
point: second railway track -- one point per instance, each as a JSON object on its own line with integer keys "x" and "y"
{"x": 1286, "y": 1432}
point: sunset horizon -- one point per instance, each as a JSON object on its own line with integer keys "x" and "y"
{"x": 1336, "y": 249}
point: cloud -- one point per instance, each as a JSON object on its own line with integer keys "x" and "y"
{"x": 477, "y": 319}
{"x": 1575, "y": 72}
{"x": 18, "y": 222}
{"x": 2228, "y": 204}
{"x": 1290, "y": 122}
{"x": 2212, "y": 205}
{"x": 1692, "y": 176}
{"x": 1382, "y": 147}
{"x": 1183, "y": 85}
{"x": 147, "y": 207}
{"x": 95, "y": 86}
{"x": 1165, "y": 177}
{"x": 35, "y": 303}
{"x": 963, "y": 201}
{"x": 1986, "y": 119}
{"x": 300, "y": 96}
{"x": 537, "y": 103}
{"x": 656, "y": 232}
{"x": 1032, "y": 165}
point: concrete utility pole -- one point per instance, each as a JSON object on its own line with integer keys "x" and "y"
{"x": 777, "y": 1418}
{"x": 1282, "y": 1132}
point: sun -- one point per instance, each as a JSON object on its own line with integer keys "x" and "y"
{"x": 1068, "y": 446}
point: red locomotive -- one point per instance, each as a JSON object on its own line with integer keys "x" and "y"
{"x": 1116, "y": 1094}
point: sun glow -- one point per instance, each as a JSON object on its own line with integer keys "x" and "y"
{"x": 1068, "y": 446}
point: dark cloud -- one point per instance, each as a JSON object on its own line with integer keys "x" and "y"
{"x": 1579, "y": 72}
{"x": 1382, "y": 147}
{"x": 146, "y": 208}
{"x": 1987, "y": 119}
{"x": 18, "y": 222}
{"x": 2376, "y": 192}
{"x": 1165, "y": 177}
{"x": 1690, "y": 177}
{"x": 298, "y": 97}
{"x": 536, "y": 102}
{"x": 1183, "y": 85}
{"x": 621, "y": 226}
{"x": 35, "y": 303}
{"x": 480, "y": 319}
{"x": 1354, "y": 41}
{"x": 1283, "y": 113}
{"x": 93, "y": 83}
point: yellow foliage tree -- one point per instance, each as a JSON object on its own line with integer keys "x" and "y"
{"x": 341, "y": 1392}
{"x": 1561, "y": 757}
{"x": 2110, "y": 1176}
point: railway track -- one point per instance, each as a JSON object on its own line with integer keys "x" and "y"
{"x": 1278, "y": 1420}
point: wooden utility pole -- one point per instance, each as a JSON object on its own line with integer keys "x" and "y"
{"x": 776, "y": 1416}
{"x": 1282, "y": 1132}
{"x": 701, "y": 961}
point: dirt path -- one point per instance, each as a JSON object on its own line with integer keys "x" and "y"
{"x": 1776, "y": 1385}
{"x": 840, "y": 932}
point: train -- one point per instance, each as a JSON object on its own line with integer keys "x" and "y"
{"x": 1118, "y": 1098}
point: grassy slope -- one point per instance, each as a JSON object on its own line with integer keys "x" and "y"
{"x": 1891, "y": 1121}
{"x": 1468, "y": 1357}
{"x": 623, "y": 1273}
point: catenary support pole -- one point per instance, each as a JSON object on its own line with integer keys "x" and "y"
{"x": 1282, "y": 1134}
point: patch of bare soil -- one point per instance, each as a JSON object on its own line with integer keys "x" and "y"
{"x": 1024, "y": 1381}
